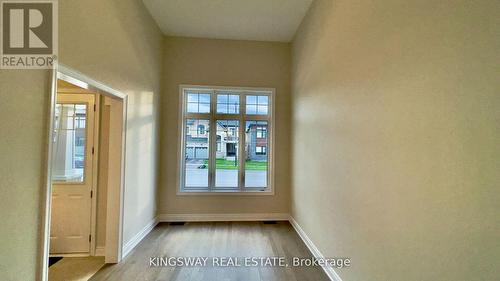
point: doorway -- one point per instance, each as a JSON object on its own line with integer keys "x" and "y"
{"x": 83, "y": 214}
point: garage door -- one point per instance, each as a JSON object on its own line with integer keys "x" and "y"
{"x": 201, "y": 152}
{"x": 190, "y": 152}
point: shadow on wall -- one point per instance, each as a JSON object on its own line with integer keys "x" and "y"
{"x": 139, "y": 48}
{"x": 141, "y": 145}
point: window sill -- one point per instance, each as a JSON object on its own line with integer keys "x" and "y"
{"x": 225, "y": 193}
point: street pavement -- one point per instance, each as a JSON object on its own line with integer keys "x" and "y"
{"x": 223, "y": 178}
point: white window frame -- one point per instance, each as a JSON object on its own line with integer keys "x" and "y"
{"x": 263, "y": 150}
{"x": 212, "y": 117}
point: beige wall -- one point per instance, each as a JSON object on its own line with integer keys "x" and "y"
{"x": 117, "y": 43}
{"x": 223, "y": 63}
{"x": 395, "y": 115}
{"x": 23, "y": 131}
{"x": 121, "y": 45}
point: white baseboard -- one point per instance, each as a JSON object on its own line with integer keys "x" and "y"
{"x": 130, "y": 245}
{"x": 100, "y": 251}
{"x": 223, "y": 217}
{"x": 330, "y": 271}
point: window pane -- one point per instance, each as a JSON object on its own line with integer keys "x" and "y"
{"x": 196, "y": 153}
{"x": 257, "y": 105}
{"x": 233, "y": 109}
{"x": 234, "y": 99}
{"x": 198, "y": 102}
{"x": 204, "y": 98}
{"x": 69, "y": 143}
{"x": 204, "y": 108}
{"x": 251, "y": 100}
{"x": 222, "y": 98}
{"x": 251, "y": 109}
{"x": 227, "y": 158}
{"x": 256, "y": 142}
{"x": 192, "y": 98}
{"x": 221, "y": 107}
{"x": 228, "y": 104}
{"x": 192, "y": 107}
{"x": 262, "y": 100}
{"x": 262, "y": 109}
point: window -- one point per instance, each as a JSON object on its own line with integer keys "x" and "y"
{"x": 196, "y": 149}
{"x": 228, "y": 103}
{"x": 219, "y": 144}
{"x": 198, "y": 102}
{"x": 260, "y": 150}
{"x": 257, "y": 104}
{"x": 201, "y": 129}
{"x": 225, "y": 142}
{"x": 227, "y": 161}
{"x": 256, "y": 161}
{"x": 69, "y": 142}
{"x": 261, "y": 132}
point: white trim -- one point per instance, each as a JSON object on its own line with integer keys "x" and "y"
{"x": 330, "y": 271}
{"x": 225, "y": 192}
{"x": 100, "y": 251}
{"x": 130, "y": 245}
{"x": 81, "y": 80}
{"x": 43, "y": 270}
{"x": 215, "y": 87}
{"x": 223, "y": 217}
{"x": 122, "y": 180}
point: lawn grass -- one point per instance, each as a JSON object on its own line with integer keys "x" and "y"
{"x": 255, "y": 165}
{"x": 223, "y": 164}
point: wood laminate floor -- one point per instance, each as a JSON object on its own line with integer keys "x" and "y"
{"x": 215, "y": 239}
{"x": 75, "y": 269}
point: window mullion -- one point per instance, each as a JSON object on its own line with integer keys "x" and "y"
{"x": 257, "y": 118}
{"x": 197, "y": 116}
{"x": 212, "y": 144}
{"x": 227, "y": 116}
{"x": 241, "y": 142}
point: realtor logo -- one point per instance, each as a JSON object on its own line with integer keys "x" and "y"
{"x": 28, "y": 34}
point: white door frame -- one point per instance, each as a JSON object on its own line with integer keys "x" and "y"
{"x": 74, "y": 77}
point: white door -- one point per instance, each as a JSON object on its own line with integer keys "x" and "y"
{"x": 72, "y": 159}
